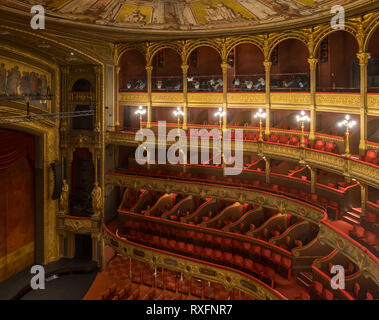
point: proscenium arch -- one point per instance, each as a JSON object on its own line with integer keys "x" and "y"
{"x": 43, "y": 37}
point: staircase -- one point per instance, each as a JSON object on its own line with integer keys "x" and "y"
{"x": 305, "y": 279}
{"x": 353, "y": 216}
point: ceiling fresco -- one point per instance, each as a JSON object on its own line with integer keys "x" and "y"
{"x": 185, "y": 14}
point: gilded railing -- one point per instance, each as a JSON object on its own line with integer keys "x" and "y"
{"x": 366, "y": 261}
{"x": 337, "y": 102}
{"x": 364, "y": 172}
{"x": 228, "y": 277}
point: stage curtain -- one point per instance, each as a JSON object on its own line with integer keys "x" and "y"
{"x": 15, "y": 146}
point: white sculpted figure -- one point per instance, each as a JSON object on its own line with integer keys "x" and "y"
{"x": 97, "y": 201}
{"x": 63, "y": 200}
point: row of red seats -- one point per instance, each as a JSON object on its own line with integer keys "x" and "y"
{"x": 249, "y": 257}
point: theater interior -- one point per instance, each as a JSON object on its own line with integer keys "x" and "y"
{"x": 296, "y": 97}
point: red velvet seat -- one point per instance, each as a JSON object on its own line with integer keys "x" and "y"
{"x": 285, "y": 266}
{"x": 227, "y": 242}
{"x": 318, "y": 288}
{"x": 238, "y": 260}
{"x": 190, "y": 248}
{"x": 266, "y": 254}
{"x": 319, "y": 145}
{"x": 257, "y": 251}
{"x": 208, "y": 253}
{"x": 198, "y": 251}
{"x": 218, "y": 255}
{"x": 371, "y": 157}
{"x": 172, "y": 244}
{"x": 327, "y": 294}
{"x": 163, "y": 242}
{"x": 258, "y": 268}
{"x": 274, "y": 138}
{"x": 269, "y": 273}
{"x": 248, "y": 264}
{"x": 228, "y": 258}
{"x": 294, "y": 141}
{"x": 246, "y": 246}
{"x": 330, "y": 147}
{"x": 181, "y": 246}
{"x": 276, "y": 259}
{"x": 283, "y": 139}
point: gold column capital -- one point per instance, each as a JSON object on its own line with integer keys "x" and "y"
{"x": 149, "y": 69}
{"x": 224, "y": 67}
{"x": 363, "y": 58}
{"x": 118, "y": 69}
{"x": 313, "y": 63}
{"x": 267, "y": 65}
{"x": 185, "y": 68}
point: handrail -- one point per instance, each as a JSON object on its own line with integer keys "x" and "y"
{"x": 266, "y": 287}
{"x": 214, "y": 232}
{"x": 321, "y": 159}
{"x": 328, "y": 233}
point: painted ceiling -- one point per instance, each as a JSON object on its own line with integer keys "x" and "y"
{"x": 185, "y": 15}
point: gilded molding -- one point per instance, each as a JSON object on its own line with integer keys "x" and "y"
{"x": 229, "y": 279}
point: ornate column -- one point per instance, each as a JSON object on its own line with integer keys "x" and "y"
{"x": 116, "y": 111}
{"x": 313, "y": 179}
{"x": 313, "y": 79}
{"x": 149, "y": 70}
{"x": 224, "y": 67}
{"x": 364, "y": 195}
{"x": 268, "y": 65}
{"x": 363, "y": 62}
{"x": 185, "y": 95}
{"x": 268, "y": 169}
{"x": 99, "y": 91}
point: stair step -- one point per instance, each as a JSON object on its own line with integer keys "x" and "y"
{"x": 357, "y": 210}
{"x": 306, "y": 284}
{"x": 350, "y": 220}
{"x": 354, "y": 215}
{"x": 306, "y": 275}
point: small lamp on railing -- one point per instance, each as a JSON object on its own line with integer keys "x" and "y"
{"x": 261, "y": 115}
{"x": 302, "y": 118}
{"x": 178, "y": 113}
{"x": 348, "y": 123}
{"x": 221, "y": 113}
{"x": 141, "y": 111}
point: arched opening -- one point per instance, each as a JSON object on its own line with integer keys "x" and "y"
{"x": 133, "y": 75}
{"x": 18, "y": 202}
{"x": 290, "y": 67}
{"x": 205, "y": 73}
{"x": 373, "y": 65}
{"x": 338, "y": 68}
{"x": 246, "y": 71}
{"x": 82, "y": 182}
{"x": 83, "y": 98}
{"x": 167, "y": 72}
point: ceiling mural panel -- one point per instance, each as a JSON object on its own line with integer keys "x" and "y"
{"x": 186, "y": 14}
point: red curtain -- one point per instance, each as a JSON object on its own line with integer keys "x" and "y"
{"x": 15, "y": 146}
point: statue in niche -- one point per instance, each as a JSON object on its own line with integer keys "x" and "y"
{"x": 3, "y": 79}
{"x": 63, "y": 199}
{"x": 97, "y": 201}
